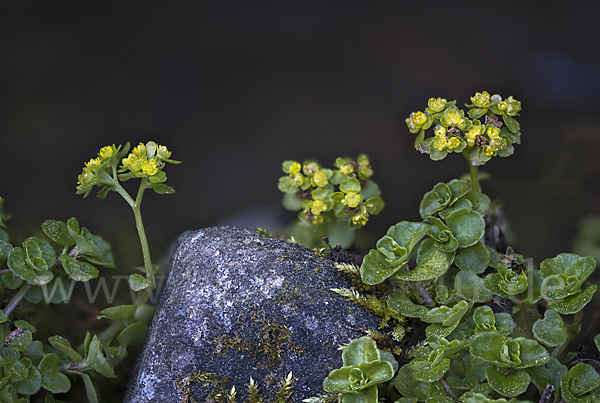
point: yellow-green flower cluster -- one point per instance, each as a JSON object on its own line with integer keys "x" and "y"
{"x": 441, "y": 142}
{"x": 89, "y": 175}
{"x": 311, "y": 189}
{"x": 460, "y": 132}
{"x": 146, "y": 159}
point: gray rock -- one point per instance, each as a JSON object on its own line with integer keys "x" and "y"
{"x": 241, "y": 305}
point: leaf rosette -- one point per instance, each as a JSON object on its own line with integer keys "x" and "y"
{"x": 504, "y": 351}
{"x": 578, "y": 384}
{"x": 564, "y": 276}
{"x": 364, "y": 366}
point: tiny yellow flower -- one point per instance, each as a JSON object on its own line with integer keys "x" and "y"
{"x": 296, "y": 179}
{"x": 472, "y": 134}
{"x": 320, "y": 179}
{"x": 480, "y": 99}
{"x": 440, "y": 142}
{"x": 440, "y": 131}
{"x": 436, "y": 105}
{"x": 163, "y": 153}
{"x": 488, "y": 150}
{"x": 502, "y": 105}
{"x": 453, "y": 143}
{"x": 310, "y": 169}
{"x": 151, "y": 149}
{"x": 149, "y": 167}
{"x": 295, "y": 167}
{"x": 359, "y": 220}
{"x": 493, "y": 133}
{"x": 140, "y": 150}
{"x": 318, "y": 206}
{"x": 420, "y": 118}
{"x": 352, "y": 199}
{"x": 514, "y": 106}
{"x": 317, "y": 219}
{"x": 86, "y": 177}
{"x": 346, "y": 169}
{"x": 93, "y": 164}
{"x": 106, "y": 152}
{"x": 365, "y": 170}
{"x": 453, "y": 117}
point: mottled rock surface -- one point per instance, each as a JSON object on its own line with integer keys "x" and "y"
{"x": 238, "y": 304}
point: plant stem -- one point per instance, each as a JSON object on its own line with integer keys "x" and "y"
{"x": 448, "y": 390}
{"x": 137, "y": 213}
{"x": 16, "y": 299}
{"x": 525, "y": 316}
{"x": 142, "y": 234}
{"x": 473, "y": 170}
{"x": 425, "y": 295}
{"x": 112, "y": 331}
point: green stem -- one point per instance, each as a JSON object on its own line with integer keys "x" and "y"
{"x": 137, "y": 213}
{"x": 16, "y": 299}
{"x": 525, "y": 316}
{"x": 142, "y": 234}
{"x": 473, "y": 170}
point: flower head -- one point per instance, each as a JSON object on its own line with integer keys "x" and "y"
{"x": 147, "y": 160}
{"x": 480, "y": 99}
{"x": 436, "y": 105}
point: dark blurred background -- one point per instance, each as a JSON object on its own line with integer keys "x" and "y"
{"x": 235, "y": 88}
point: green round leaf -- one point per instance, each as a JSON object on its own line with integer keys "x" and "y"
{"x": 351, "y": 184}
{"x": 162, "y": 189}
{"x": 18, "y": 265}
{"x": 436, "y": 200}
{"x": 468, "y": 226}
{"x": 78, "y": 271}
{"x": 52, "y": 379}
{"x": 470, "y": 286}
{"x": 58, "y": 232}
{"x": 475, "y": 258}
{"x": 105, "y": 257}
{"x": 481, "y": 202}
{"x": 423, "y": 372}
{"x": 574, "y": 303}
{"x": 408, "y": 386}
{"x": 5, "y": 249}
{"x": 504, "y": 323}
{"x": 508, "y": 385}
{"x": 133, "y": 334}
{"x": 30, "y": 385}
{"x": 375, "y": 268}
{"x": 15, "y": 369}
{"x": 431, "y": 263}
{"x": 64, "y": 346}
{"x": 550, "y": 331}
{"x": 138, "y": 282}
{"x": 542, "y": 375}
{"x": 359, "y": 351}
{"x": 401, "y": 303}
{"x": 484, "y": 318}
{"x": 34, "y": 295}
{"x": 22, "y": 341}
{"x": 11, "y": 281}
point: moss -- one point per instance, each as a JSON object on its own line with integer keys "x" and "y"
{"x": 271, "y": 341}
{"x": 217, "y": 393}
